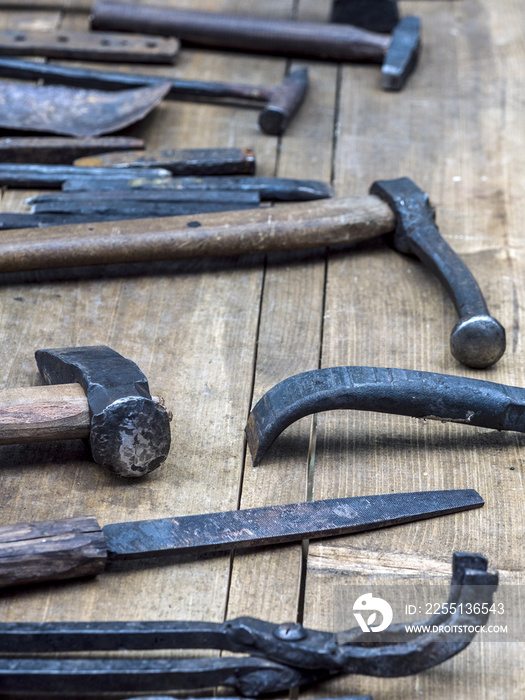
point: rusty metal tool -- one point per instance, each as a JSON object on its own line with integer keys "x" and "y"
{"x": 477, "y": 339}
{"x": 74, "y": 111}
{"x": 52, "y": 176}
{"x": 96, "y": 394}
{"x": 376, "y": 15}
{"x": 269, "y": 188}
{"x": 337, "y": 42}
{"x": 281, "y": 656}
{"x": 404, "y": 392}
{"x": 57, "y": 150}
{"x": 87, "y": 46}
{"x": 106, "y": 208}
{"x": 282, "y": 101}
{"x": 179, "y": 161}
{"x": 15, "y": 220}
{"x": 34, "y": 552}
{"x": 75, "y": 201}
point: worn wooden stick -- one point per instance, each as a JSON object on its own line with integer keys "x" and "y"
{"x": 41, "y": 413}
{"x": 283, "y": 227}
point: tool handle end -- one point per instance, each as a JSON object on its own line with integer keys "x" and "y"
{"x": 51, "y": 551}
{"x": 478, "y": 341}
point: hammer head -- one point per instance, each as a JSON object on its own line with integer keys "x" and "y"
{"x": 130, "y": 432}
{"x": 402, "y": 55}
{"x": 285, "y": 100}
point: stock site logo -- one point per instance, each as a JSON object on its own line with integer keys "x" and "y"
{"x": 373, "y": 605}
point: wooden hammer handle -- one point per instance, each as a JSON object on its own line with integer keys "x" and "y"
{"x": 42, "y": 413}
{"x": 283, "y": 227}
{"x": 50, "y": 551}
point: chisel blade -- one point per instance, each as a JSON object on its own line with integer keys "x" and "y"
{"x": 276, "y": 524}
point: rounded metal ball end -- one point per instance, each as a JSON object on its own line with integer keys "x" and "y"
{"x": 478, "y": 341}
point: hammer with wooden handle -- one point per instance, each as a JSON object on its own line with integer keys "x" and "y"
{"x": 397, "y": 52}
{"x": 477, "y": 340}
{"x": 95, "y": 393}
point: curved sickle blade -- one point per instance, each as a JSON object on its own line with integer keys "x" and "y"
{"x": 404, "y": 392}
{"x": 74, "y": 111}
{"x": 276, "y": 524}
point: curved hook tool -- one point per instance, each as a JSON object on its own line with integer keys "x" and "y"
{"x": 478, "y": 339}
{"x": 405, "y": 392}
{"x": 281, "y": 656}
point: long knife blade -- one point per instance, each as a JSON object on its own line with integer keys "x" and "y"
{"x": 276, "y": 524}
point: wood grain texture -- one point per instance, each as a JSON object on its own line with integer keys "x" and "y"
{"x": 215, "y": 335}
{"x": 31, "y": 414}
{"x": 43, "y": 413}
{"x": 286, "y": 226}
{"x": 51, "y": 551}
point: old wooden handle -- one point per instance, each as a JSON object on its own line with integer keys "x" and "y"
{"x": 283, "y": 227}
{"x": 51, "y": 550}
{"x": 42, "y": 413}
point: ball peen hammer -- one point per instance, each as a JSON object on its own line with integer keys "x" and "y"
{"x": 95, "y": 393}
{"x": 397, "y": 52}
{"x": 399, "y": 206}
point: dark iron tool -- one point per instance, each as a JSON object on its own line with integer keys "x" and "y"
{"x": 96, "y": 394}
{"x": 10, "y": 221}
{"x": 376, "y": 15}
{"x": 405, "y": 392}
{"x": 477, "y": 340}
{"x": 74, "y": 111}
{"x": 179, "y": 161}
{"x": 74, "y": 547}
{"x": 119, "y": 204}
{"x": 56, "y": 150}
{"x": 87, "y": 46}
{"x": 269, "y": 188}
{"x": 282, "y": 101}
{"x": 337, "y": 42}
{"x": 281, "y": 656}
{"x": 52, "y": 176}
{"x": 105, "y": 209}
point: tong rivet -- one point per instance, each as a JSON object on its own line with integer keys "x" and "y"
{"x": 290, "y": 632}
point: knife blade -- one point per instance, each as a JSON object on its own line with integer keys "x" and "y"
{"x": 62, "y": 549}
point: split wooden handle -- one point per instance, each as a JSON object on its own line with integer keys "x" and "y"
{"x": 282, "y": 227}
{"x": 51, "y": 551}
{"x": 42, "y": 413}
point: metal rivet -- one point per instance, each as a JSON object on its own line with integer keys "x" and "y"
{"x": 290, "y": 632}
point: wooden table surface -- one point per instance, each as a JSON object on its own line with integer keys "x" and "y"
{"x": 213, "y": 335}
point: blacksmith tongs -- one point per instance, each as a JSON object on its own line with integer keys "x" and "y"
{"x": 281, "y": 656}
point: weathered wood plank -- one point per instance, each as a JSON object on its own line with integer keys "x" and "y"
{"x": 384, "y": 310}
{"x": 191, "y": 328}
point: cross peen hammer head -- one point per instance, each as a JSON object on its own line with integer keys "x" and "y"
{"x": 402, "y": 54}
{"x": 130, "y": 432}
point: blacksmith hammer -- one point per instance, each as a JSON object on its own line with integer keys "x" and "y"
{"x": 101, "y": 396}
{"x": 336, "y": 42}
{"x": 477, "y": 340}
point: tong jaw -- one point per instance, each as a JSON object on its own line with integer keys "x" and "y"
{"x": 394, "y": 653}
